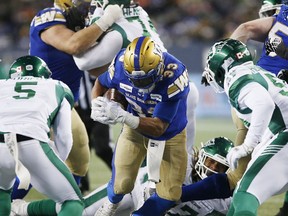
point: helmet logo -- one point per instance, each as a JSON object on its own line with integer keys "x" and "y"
{"x": 19, "y": 69}
{"x": 29, "y": 67}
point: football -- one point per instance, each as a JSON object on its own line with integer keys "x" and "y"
{"x": 115, "y": 95}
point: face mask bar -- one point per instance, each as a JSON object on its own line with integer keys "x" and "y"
{"x": 211, "y": 80}
{"x": 141, "y": 80}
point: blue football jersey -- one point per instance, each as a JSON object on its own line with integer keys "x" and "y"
{"x": 279, "y": 29}
{"x": 166, "y": 101}
{"x": 61, "y": 64}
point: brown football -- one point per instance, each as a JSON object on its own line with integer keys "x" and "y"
{"x": 115, "y": 95}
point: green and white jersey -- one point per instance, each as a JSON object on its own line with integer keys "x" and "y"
{"x": 135, "y": 23}
{"x": 260, "y": 100}
{"x": 30, "y": 105}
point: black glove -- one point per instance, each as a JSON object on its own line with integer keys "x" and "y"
{"x": 75, "y": 20}
{"x": 271, "y": 45}
{"x": 277, "y": 46}
{"x": 283, "y": 74}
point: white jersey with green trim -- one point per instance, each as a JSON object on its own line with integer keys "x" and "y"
{"x": 260, "y": 100}
{"x": 136, "y": 23}
{"x": 26, "y": 107}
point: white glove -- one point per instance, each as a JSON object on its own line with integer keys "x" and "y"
{"x": 111, "y": 14}
{"x": 98, "y": 112}
{"x": 115, "y": 112}
{"x": 236, "y": 153}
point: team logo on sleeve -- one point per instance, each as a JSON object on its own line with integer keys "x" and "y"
{"x": 178, "y": 85}
{"x": 49, "y": 16}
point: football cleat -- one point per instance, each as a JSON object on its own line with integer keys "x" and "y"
{"x": 107, "y": 209}
{"x": 19, "y": 208}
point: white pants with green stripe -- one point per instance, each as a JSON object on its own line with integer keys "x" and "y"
{"x": 49, "y": 174}
{"x": 267, "y": 172}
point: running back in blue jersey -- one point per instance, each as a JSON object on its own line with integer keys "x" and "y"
{"x": 61, "y": 64}
{"x": 172, "y": 86}
{"x": 274, "y": 63}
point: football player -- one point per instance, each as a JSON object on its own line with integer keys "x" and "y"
{"x": 33, "y": 104}
{"x": 270, "y": 29}
{"x": 52, "y": 39}
{"x": 259, "y": 99}
{"x": 210, "y": 159}
{"x": 136, "y": 23}
{"x": 156, "y": 85}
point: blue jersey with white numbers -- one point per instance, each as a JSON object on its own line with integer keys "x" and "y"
{"x": 61, "y": 64}
{"x": 280, "y": 29}
{"x": 166, "y": 101}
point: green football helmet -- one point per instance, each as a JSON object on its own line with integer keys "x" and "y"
{"x": 269, "y": 8}
{"x": 222, "y": 56}
{"x": 216, "y": 149}
{"x": 29, "y": 66}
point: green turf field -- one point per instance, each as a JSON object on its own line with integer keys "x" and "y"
{"x": 206, "y": 129}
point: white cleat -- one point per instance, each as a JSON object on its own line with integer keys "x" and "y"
{"x": 19, "y": 208}
{"x": 107, "y": 209}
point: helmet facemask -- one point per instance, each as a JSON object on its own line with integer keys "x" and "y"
{"x": 210, "y": 77}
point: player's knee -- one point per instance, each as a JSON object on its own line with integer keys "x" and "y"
{"x": 174, "y": 193}
{"x": 72, "y": 207}
{"x": 125, "y": 186}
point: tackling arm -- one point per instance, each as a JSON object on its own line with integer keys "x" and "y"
{"x": 253, "y": 30}
{"x": 74, "y": 43}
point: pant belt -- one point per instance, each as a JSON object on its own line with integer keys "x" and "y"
{"x": 20, "y": 138}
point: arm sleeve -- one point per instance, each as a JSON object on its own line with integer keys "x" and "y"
{"x": 165, "y": 114}
{"x": 100, "y": 54}
{"x": 215, "y": 186}
{"x": 258, "y": 99}
{"x": 62, "y": 130}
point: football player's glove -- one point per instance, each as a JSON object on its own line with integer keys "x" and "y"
{"x": 283, "y": 74}
{"x": 110, "y": 112}
{"x": 236, "y": 153}
{"x": 275, "y": 46}
{"x": 75, "y": 20}
{"x": 111, "y": 14}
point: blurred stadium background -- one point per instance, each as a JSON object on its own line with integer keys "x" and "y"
{"x": 187, "y": 27}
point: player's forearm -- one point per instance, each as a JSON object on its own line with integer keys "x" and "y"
{"x": 98, "y": 89}
{"x": 253, "y": 30}
{"x": 215, "y": 186}
{"x": 84, "y": 39}
{"x": 152, "y": 126}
